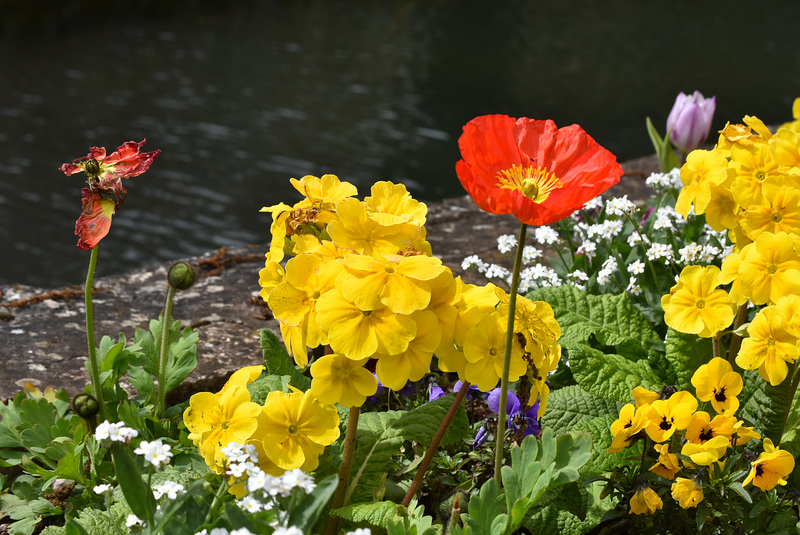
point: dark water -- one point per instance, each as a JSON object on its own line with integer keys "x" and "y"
{"x": 241, "y": 96}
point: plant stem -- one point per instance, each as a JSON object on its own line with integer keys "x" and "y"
{"x": 437, "y": 439}
{"x": 512, "y": 308}
{"x": 163, "y": 353}
{"x": 217, "y": 497}
{"x": 736, "y": 340}
{"x": 344, "y": 473}
{"x": 94, "y": 366}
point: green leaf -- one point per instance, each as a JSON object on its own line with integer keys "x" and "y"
{"x": 74, "y": 528}
{"x": 602, "y": 460}
{"x": 568, "y": 406}
{"x": 375, "y": 513}
{"x": 667, "y": 160}
{"x": 610, "y": 376}
{"x": 136, "y": 492}
{"x": 305, "y": 514}
{"x": 487, "y": 511}
{"x": 261, "y": 387}
{"x": 422, "y": 423}
{"x": 612, "y": 319}
{"x": 182, "y": 355}
{"x": 686, "y": 353}
{"x": 278, "y": 362}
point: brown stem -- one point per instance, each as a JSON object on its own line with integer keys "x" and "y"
{"x": 344, "y": 472}
{"x": 437, "y": 439}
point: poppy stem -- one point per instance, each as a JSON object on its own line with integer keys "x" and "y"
{"x": 94, "y": 366}
{"x": 344, "y": 472}
{"x": 437, "y": 439}
{"x": 163, "y": 352}
{"x": 512, "y": 307}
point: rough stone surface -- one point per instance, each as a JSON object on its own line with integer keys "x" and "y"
{"x": 43, "y": 336}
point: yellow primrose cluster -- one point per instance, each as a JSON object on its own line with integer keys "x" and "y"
{"x": 289, "y": 431}
{"x": 705, "y": 440}
{"x": 362, "y": 282}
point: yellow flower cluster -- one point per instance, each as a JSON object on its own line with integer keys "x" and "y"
{"x": 289, "y": 431}
{"x": 362, "y": 281}
{"x": 705, "y": 439}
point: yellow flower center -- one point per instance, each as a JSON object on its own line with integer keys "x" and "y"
{"x": 771, "y": 342}
{"x": 493, "y": 352}
{"x": 225, "y": 425}
{"x": 293, "y": 429}
{"x": 772, "y": 269}
{"x": 760, "y": 175}
{"x": 776, "y": 217}
{"x": 535, "y": 183}
{"x": 701, "y": 304}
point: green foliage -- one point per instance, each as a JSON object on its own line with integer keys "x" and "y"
{"x": 182, "y": 358}
{"x": 663, "y": 147}
{"x": 571, "y": 405}
{"x": 306, "y": 513}
{"x": 396, "y": 518}
{"x": 686, "y": 353}
{"x": 137, "y": 493}
{"x": 279, "y": 363}
{"x": 610, "y": 376}
{"x": 25, "y": 506}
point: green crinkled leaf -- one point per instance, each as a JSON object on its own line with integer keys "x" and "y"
{"x": 686, "y": 353}
{"x": 421, "y": 423}
{"x": 568, "y": 406}
{"x": 601, "y": 460}
{"x": 96, "y": 522}
{"x": 279, "y": 362}
{"x": 612, "y": 319}
{"x": 753, "y": 398}
{"x": 556, "y": 517}
{"x": 261, "y": 387}
{"x": 375, "y": 513}
{"x": 610, "y": 376}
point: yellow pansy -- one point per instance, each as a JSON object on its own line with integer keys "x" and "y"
{"x": 630, "y": 422}
{"x": 669, "y": 415}
{"x": 668, "y": 464}
{"x": 708, "y": 452}
{"x": 645, "y": 501}
{"x": 718, "y": 383}
{"x": 771, "y": 468}
{"x": 687, "y": 492}
{"x": 703, "y": 428}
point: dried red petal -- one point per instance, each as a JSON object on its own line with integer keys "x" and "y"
{"x": 95, "y": 220}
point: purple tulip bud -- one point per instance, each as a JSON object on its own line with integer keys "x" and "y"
{"x": 689, "y": 122}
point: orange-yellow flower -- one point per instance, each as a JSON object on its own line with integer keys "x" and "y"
{"x": 771, "y": 468}
{"x": 687, "y": 492}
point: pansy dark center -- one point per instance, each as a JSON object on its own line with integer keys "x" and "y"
{"x": 535, "y": 183}
{"x": 720, "y": 396}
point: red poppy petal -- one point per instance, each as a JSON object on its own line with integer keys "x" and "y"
{"x": 128, "y": 162}
{"x": 95, "y": 220}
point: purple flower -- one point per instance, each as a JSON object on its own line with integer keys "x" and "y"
{"x": 480, "y": 438}
{"x": 435, "y": 392}
{"x": 472, "y": 391}
{"x": 689, "y": 122}
{"x": 517, "y": 416}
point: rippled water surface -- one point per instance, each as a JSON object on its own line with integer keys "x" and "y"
{"x": 241, "y": 96}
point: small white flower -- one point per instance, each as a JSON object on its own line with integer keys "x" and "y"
{"x": 602, "y": 277}
{"x": 245, "y": 531}
{"x": 291, "y": 530}
{"x": 660, "y": 250}
{"x": 170, "y": 489}
{"x": 496, "y": 272}
{"x": 710, "y": 253}
{"x": 155, "y": 452}
{"x": 506, "y": 243}
{"x": 636, "y": 267}
{"x": 116, "y": 432}
{"x": 133, "y": 520}
{"x": 578, "y": 275}
{"x": 360, "y": 531}
{"x": 610, "y": 265}
{"x": 530, "y": 254}
{"x": 593, "y": 204}
{"x": 674, "y": 177}
{"x": 545, "y": 235}
{"x": 620, "y": 206}
{"x": 691, "y": 253}
{"x": 633, "y": 287}
{"x": 250, "y": 504}
{"x": 103, "y": 489}
{"x": 588, "y": 248}
{"x": 635, "y": 238}
{"x": 474, "y": 260}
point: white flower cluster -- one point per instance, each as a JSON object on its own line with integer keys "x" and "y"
{"x": 240, "y": 531}
{"x": 593, "y": 204}
{"x": 578, "y": 279}
{"x": 672, "y": 179}
{"x": 360, "y": 531}
{"x": 116, "y": 432}
{"x": 668, "y": 219}
{"x": 695, "y": 252}
{"x": 545, "y": 235}
{"x": 607, "y": 270}
{"x": 103, "y": 489}
{"x": 635, "y": 238}
{"x": 506, "y": 243}
{"x": 530, "y": 254}
{"x": 620, "y": 206}
{"x": 155, "y": 452}
{"x": 607, "y": 230}
{"x": 474, "y": 260}
{"x": 636, "y": 267}
{"x": 634, "y": 287}
{"x": 170, "y": 489}
{"x": 661, "y": 250}
{"x": 493, "y": 271}
{"x": 537, "y": 276}
{"x": 587, "y": 248}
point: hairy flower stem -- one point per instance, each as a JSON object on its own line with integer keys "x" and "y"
{"x": 512, "y": 309}
{"x": 217, "y": 498}
{"x": 163, "y": 352}
{"x": 94, "y": 365}
{"x": 736, "y": 340}
{"x": 344, "y": 473}
{"x": 437, "y": 439}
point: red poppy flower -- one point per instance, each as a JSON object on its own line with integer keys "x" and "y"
{"x": 106, "y": 172}
{"x": 532, "y": 169}
{"x": 95, "y": 220}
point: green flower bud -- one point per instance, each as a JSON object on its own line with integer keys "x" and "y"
{"x": 85, "y": 406}
{"x": 181, "y": 275}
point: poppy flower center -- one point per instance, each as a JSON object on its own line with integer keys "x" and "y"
{"x": 535, "y": 183}
{"x": 92, "y": 168}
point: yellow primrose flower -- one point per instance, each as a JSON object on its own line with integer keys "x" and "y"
{"x": 338, "y": 379}
{"x": 695, "y": 305}
{"x": 296, "y": 428}
{"x": 736, "y": 134}
{"x": 702, "y": 169}
{"x": 669, "y": 415}
{"x": 718, "y": 383}
{"x": 445, "y": 294}
{"x": 536, "y": 323}
{"x": 722, "y": 209}
{"x": 780, "y": 211}
{"x": 645, "y": 501}
{"x": 214, "y": 420}
{"x": 794, "y": 125}
{"x": 355, "y": 230}
{"x": 391, "y": 203}
{"x": 730, "y": 273}
{"x": 771, "y": 468}
{"x": 398, "y": 282}
{"x": 624, "y": 428}
{"x": 753, "y": 166}
{"x": 483, "y": 348}
{"x": 395, "y": 371}
{"x": 667, "y": 465}
{"x": 788, "y": 307}
{"x": 687, "y": 492}
{"x": 293, "y": 302}
{"x": 769, "y": 347}
{"x": 277, "y": 248}
{"x": 325, "y": 191}
{"x": 358, "y": 334}
{"x": 703, "y": 428}
{"x": 271, "y": 275}
{"x": 244, "y": 376}
{"x": 785, "y": 147}
{"x": 708, "y": 452}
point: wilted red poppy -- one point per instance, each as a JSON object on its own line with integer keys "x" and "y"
{"x": 532, "y": 169}
{"x": 105, "y": 193}
{"x": 106, "y": 172}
